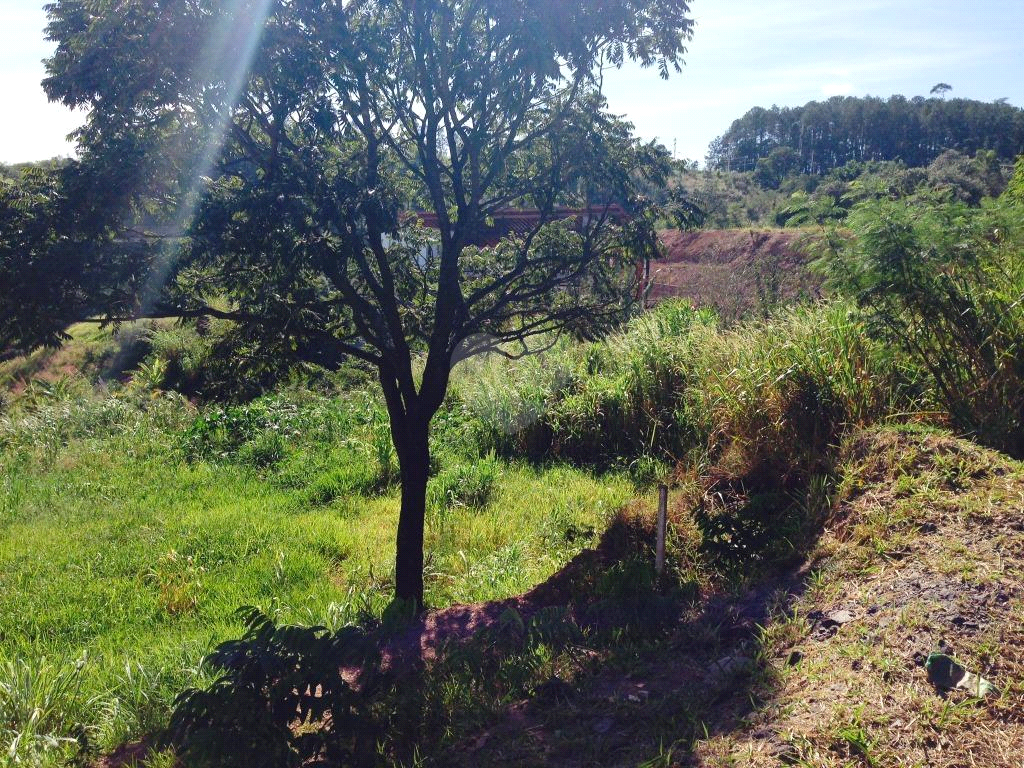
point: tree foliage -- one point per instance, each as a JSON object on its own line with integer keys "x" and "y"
{"x": 834, "y": 132}
{"x": 59, "y": 261}
{"x": 269, "y": 155}
{"x": 945, "y": 282}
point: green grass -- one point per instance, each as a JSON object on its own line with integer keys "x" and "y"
{"x": 133, "y": 525}
{"x": 119, "y": 555}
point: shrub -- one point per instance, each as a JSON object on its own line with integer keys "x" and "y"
{"x": 945, "y": 283}
{"x": 219, "y": 432}
{"x": 467, "y": 484}
{"x": 279, "y": 687}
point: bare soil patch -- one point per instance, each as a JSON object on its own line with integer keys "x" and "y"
{"x": 927, "y": 555}
{"x": 736, "y": 271}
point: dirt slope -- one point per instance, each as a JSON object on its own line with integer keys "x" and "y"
{"x": 734, "y": 270}
{"x": 927, "y": 555}
{"x": 824, "y": 666}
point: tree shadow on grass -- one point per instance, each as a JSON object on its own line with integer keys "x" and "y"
{"x": 661, "y": 668}
{"x": 604, "y": 663}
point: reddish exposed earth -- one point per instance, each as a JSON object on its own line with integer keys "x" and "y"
{"x": 736, "y": 271}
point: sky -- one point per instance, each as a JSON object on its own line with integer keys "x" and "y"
{"x": 744, "y": 53}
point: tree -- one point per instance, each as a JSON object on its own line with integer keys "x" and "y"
{"x": 770, "y": 171}
{"x": 840, "y": 130}
{"x": 941, "y": 89}
{"x": 270, "y": 152}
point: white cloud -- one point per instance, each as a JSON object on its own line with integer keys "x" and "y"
{"x": 35, "y": 129}
{"x": 837, "y": 89}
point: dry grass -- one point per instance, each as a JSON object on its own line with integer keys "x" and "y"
{"x": 739, "y": 272}
{"x": 925, "y": 550}
{"x": 927, "y": 554}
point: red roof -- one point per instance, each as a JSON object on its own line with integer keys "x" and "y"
{"x": 522, "y": 221}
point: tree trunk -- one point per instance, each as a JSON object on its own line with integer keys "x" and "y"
{"x": 414, "y": 466}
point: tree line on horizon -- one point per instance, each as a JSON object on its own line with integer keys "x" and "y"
{"x": 820, "y": 136}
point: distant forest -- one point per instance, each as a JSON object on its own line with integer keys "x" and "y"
{"x": 820, "y": 136}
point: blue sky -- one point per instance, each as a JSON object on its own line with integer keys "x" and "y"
{"x": 743, "y": 54}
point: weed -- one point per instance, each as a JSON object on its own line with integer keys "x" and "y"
{"x": 859, "y": 743}
{"x": 465, "y": 485}
{"x": 40, "y": 705}
{"x": 177, "y": 579}
{"x": 266, "y": 449}
{"x": 661, "y": 760}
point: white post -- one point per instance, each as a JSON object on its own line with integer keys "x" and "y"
{"x": 659, "y": 552}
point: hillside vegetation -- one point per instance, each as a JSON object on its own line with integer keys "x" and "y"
{"x": 811, "y": 164}
{"x": 813, "y": 470}
{"x": 821, "y": 136}
{"x": 781, "y": 196}
{"x": 824, "y": 664}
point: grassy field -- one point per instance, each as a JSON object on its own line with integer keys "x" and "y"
{"x": 124, "y": 553}
{"x": 134, "y": 523}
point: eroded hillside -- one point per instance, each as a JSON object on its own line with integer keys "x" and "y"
{"x": 737, "y": 271}
{"x": 824, "y": 666}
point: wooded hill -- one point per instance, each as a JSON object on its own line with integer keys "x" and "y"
{"x": 820, "y": 136}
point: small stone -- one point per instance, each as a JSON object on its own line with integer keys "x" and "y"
{"x": 786, "y": 753}
{"x": 722, "y": 671}
{"x": 840, "y": 617}
{"x": 727, "y": 665}
{"x": 825, "y": 630}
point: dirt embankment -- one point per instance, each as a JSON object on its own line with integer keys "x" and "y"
{"x": 736, "y": 271}
{"x": 824, "y": 665}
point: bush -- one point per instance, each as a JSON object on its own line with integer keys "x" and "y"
{"x": 278, "y": 689}
{"x": 945, "y": 283}
{"x": 220, "y": 432}
{"x": 468, "y": 484}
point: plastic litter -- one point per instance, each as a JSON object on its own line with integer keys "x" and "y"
{"x": 944, "y": 672}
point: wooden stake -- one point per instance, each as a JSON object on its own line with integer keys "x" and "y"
{"x": 659, "y": 552}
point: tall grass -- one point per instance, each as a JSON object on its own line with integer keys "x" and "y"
{"x": 944, "y": 283}
{"x": 749, "y": 416}
{"x": 39, "y": 702}
{"x": 674, "y": 385}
